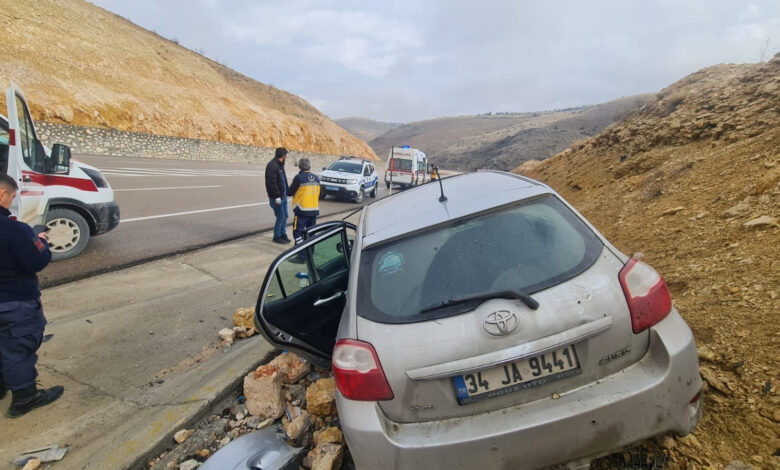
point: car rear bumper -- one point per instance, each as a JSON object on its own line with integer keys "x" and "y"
{"x": 648, "y": 398}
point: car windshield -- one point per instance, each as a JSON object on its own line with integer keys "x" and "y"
{"x": 355, "y": 168}
{"x": 524, "y": 248}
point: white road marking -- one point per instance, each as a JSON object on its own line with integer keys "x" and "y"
{"x": 176, "y": 214}
{"x": 171, "y": 187}
{"x": 139, "y": 171}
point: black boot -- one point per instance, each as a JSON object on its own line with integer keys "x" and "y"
{"x": 2, "y": 388}
{"x": 28, "y": 399}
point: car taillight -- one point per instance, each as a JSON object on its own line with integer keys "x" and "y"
{"x": 646, "y": 293}
{"x": 358, "y": 373}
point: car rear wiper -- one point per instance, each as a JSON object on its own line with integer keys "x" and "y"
{"x": 505, "y": 294}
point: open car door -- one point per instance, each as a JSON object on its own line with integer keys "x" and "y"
{"x": 28, "y": 162}
{"x": 303, "y": 295}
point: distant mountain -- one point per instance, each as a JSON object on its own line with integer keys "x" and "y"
{"x": 504, "y": 141}
{"x": 80, "y": 64}
{"x": 365, "y": 129}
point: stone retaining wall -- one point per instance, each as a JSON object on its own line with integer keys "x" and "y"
{"x": 112, "y": 142}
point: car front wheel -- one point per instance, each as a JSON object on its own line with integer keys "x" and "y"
{"x": 68, "y": 233}
{"x": 361, "y": 194}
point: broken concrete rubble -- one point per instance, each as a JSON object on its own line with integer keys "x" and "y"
{"x": 256, "y": 407}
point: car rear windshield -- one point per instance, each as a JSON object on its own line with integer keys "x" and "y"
{"x": 401, "y": 164}
{"x": 346, "y": 167}
{"x": 524, "y": 248}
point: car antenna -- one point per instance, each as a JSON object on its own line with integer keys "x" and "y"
{"x": 442, "y": 198}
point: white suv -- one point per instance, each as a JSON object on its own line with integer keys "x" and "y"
{"x": 349, "y": 177}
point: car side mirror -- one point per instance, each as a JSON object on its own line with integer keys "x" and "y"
{"x": 59, "y": 160}
{"x": 323, "y": 168}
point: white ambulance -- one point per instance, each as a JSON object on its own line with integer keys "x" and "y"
{"x": 406, "y": 167}
{"x": 72, "y": 200}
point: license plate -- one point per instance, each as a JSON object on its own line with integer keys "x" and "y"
{"x": 332, "y": 188}
{"x": 518, "y": 375}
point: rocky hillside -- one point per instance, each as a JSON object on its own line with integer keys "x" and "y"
{"x": 503, "y": 141}
{"x": 82, "y": 65}
{"x": 693, "y": 182}
{"x": 366, "y": 129}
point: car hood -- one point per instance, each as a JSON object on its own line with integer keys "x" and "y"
{"x": 339, "y": 174}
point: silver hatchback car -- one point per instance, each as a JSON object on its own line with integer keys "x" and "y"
{"x": 493, "y": 329}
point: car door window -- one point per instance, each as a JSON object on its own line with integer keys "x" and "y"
{"x": 304, "y": 295}
{"x": 4, "y": 139}
{"x": 27, "y": 137}
{"x": 366, "y": 171}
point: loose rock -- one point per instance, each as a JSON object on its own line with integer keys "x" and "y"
{"x": 182, "y": 435}
{"x": 328, "y": 456}
{"x": 189, "y": 465}
{"x": 244, "y": 317}
{"x": 263, "y": 392}
{"x": 761, "y": 222}
{"x": 331, "y": 434}
{"x": 227, "y": 335}
{"x": 292, "y": 367}
{"x": 321, "y": 398}
{"x": 32, "y": 464}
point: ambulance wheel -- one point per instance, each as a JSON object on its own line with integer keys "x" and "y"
{"x": 361, "y": 195}
{"x": 68, "y": 233}
{"x": 373, "y": 191}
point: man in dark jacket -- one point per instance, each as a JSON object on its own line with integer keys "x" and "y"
{"x": 22, "y": 255}
{"x": 276, "y": 187}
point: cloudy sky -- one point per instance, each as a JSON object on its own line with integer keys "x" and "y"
{"x": 409, "y": 60}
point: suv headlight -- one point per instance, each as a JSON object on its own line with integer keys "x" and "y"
{"x": 351, "y": 181}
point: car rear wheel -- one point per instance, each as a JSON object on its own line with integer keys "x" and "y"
{"x": 361, "y": 194}
{"x": 373, "y": 191}
{"x": 68, "y": 233}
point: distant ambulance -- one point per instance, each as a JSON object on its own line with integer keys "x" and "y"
{"x": 72, "y": 200}
{"x": 406, "y": 167}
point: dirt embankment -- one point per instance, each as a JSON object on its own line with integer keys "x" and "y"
{"x": 82, "y": 65}
{"x": 693, "y": 182}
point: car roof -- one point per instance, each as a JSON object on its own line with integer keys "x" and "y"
{"x": 419, "y": 208}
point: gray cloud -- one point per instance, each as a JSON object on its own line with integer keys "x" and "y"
{"x": 408, "y": 60}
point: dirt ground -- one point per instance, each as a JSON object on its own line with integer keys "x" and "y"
{"x": 692, "y": 182}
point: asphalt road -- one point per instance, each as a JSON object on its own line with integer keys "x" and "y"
{"x": 173, "y": 206}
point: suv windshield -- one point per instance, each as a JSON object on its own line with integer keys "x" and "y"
{"x": 525, "y": 248}
{"x": 355, "y": 168}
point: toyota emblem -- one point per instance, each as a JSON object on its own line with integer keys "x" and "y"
{"x": 501, "y": 323}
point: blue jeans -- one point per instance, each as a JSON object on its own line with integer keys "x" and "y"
{"x": 280, "y": 212}
{"x": 21, "y": 332}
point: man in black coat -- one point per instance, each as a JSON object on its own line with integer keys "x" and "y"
{"x": 22, "y": 255}
{"x": 276, "y": 187}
